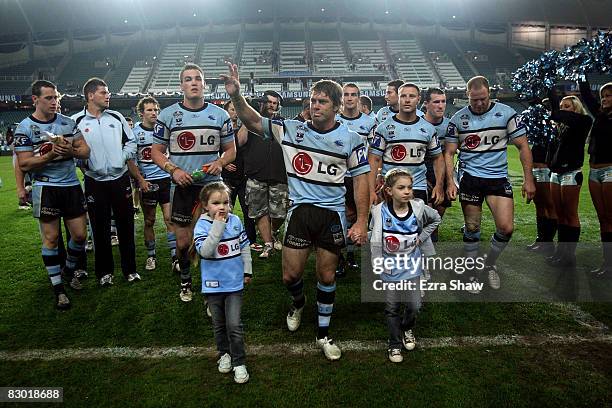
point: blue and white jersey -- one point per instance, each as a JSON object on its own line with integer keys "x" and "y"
{"x": 483, "y": 139}
{"x": 385, "y": 113}
{"x": 193, "y": 137}
{"x": 363, "y": 125}
{"x": 29, "y": 136}
{"x": 224, "y": 272}
{"x": 144, "y": 140}
{"x": 399, "y": 238}
{"x": 405, "y": 145}
{"x": 441, "y": 130}
{"x": 317, "y": 162}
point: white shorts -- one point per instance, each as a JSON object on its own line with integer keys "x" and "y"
{"x": 570, "y": 178}
{"x": 541, "y": 174}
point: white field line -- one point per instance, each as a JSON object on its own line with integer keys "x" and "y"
{"x": 148, "y": 353}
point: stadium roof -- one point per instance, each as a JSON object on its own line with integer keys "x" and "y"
{"x": 88, "y": 16}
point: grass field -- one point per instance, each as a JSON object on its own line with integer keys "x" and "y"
{"x": 476, "y": 368}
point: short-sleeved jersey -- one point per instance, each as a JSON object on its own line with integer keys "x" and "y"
{"x": 483, "y": 139}
{"x": 317, "y": 162}
{"x": 144, "y": 140}
{"x": 224, "y": 271}
{"x": 441, "y": 130}
{"x": 399, "y": 236}
{"x": 406, "y": 145}
{"x": 30, "y": 137}
{"x": 193, "y": 137}
{"x": 363, "y": 125}
{"x": 384, "y": 113}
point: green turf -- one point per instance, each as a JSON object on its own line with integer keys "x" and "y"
{"x": 150, "y": 313}
{"x": 472, "y": 377}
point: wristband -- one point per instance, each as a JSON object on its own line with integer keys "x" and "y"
{"x": 170, "y": 167}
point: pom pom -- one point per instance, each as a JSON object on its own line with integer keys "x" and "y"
{"x": 536, "y": 77}
{"x": 540, "y": 127}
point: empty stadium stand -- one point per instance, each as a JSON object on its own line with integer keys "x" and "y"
{"x": 173, "y": 58}
{"x": 85, "y": 65}
{"x": 411, "y": 63}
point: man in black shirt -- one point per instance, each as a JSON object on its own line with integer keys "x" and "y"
{"x": 266, "y": 188}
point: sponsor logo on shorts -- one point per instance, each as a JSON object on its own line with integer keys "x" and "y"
{"x": 335, "y": 228}
{"x": 297, "y": 242}
{"x": 54, "y": 212}
{"x": 338, "y": 238}
{"x": 302, "y": 163}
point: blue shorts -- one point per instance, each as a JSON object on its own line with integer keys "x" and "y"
{"x": 570, "y": 178}
{"x": 602, "y": 175}
{"x": 541, "y": 174}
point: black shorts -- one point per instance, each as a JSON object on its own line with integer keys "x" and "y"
{"x": 422, "y": 194}
{"x": 184, "y": 202}
{"x": 309, "y": 225}
{"x": 431, "y": 183}
{"x": 350, "y": 194}
{"x": 58, "y": 201}
{"x": 161, "y": 196}
{"x": 473, "y": 190}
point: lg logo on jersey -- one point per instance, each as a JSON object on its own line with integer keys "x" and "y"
{"x": 302, "y": 164}
{"x": 146, "y": 153}
{"x": 399, "y": 153}
{"x": 392, "y": 244}
{"x": 473, "y": 141}
{"x": 186, "y": 140}
{"x": 46, "y": 148}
